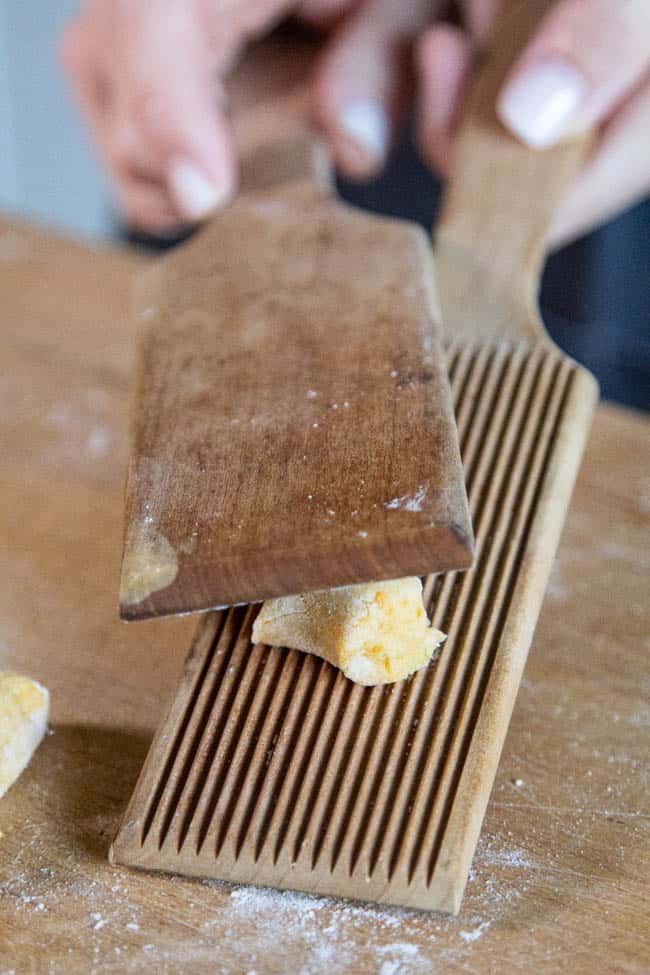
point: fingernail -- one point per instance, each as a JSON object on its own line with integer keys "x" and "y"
{"x": 539, "y": 105}
{"x": 364, "y": 121}
{"x": 194, "y": 194}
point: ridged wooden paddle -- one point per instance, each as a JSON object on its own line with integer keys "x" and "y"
{"x": 271, "y": 767}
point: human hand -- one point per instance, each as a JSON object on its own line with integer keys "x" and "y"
{"x": 149, "y": 78}
{"x": 166, "y": 138}
{"x": 588, "y": 65}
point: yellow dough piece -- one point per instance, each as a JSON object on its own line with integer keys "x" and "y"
{"x": 376, "y": 633}
{"x": 24, "y": 707}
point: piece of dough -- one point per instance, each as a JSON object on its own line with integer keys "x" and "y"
{"x": 376, "y": 633}
{"x": 24, "y": 707}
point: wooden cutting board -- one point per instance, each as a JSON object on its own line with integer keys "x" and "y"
{"x": 270, "y": 766}
{"x": 293, "y": 426}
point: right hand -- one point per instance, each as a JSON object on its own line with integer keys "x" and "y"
{"x": 149, "y": 76}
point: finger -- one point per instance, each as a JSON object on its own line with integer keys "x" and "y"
{"x": 84, "y": 69}
{"x": 135, "y": 184}
{"x": 162, "y": 128}
{"x": 178, "y": 142}
{"x": 586, "y": 55}
{"x": 229, "y": 26}
{"x": 616, "y": 176}
{"x": 321, "y": 13}
{"x": 170, "y": 121}
{"x": 82, "y": 61}
{"x": 444, "y": 60}
{"x": 363, "y": 81}
{"x": 147, "y": 206}
{"x": 479, "y": 17}
{"x": 142, "y": 192}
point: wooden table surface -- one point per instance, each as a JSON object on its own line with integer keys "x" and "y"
{"x": 560, "y": 878}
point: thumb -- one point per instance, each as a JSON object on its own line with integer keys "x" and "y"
{"x": 585, "y": 57}
{"x": 193, "y": 134}
{"x": 363, "y": 80}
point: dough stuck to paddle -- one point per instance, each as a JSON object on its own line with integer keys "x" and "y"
{"x": 376, "y": 633}
{"x": 24, "y": 707}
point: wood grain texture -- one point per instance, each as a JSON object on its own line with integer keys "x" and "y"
{"x": 490, "y": 238}
{"x": 560, "y": 870}
{"x": 273, "y": 768}
{"x": 376, "y": 807}
{"x": 294, "y": 427}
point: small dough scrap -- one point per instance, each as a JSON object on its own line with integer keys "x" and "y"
{"x": 376, "y": 633}
{"x": 24, "y": 707}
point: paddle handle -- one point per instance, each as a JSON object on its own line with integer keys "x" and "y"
{"x": 295, "y": 158}
{"x": 490, "y": 240}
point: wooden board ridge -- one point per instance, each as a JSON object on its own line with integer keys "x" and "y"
{"x": 294, "y": 427}
{"x": 271, "y": 768}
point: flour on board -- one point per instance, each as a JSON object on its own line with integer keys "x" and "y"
{"x": 408, "y": 502}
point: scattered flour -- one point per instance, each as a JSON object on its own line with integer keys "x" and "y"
{"x": 325, "y": 926}
{"x": 506, "y": 857}
{"x": 475, "y": 933}
{"x": 400, "y": 949}
{"x": 409, "y": 502}
{"x": 323, "y": 935}
{"x": 98, "y": 442}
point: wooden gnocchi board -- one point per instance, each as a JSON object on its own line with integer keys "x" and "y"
{"x": 272, "y": 768}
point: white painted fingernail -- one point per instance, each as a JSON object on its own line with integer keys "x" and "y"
{"x": 194, "y": 194}
{"x": 540, "y": 105}
{"x": 364, "y": 121}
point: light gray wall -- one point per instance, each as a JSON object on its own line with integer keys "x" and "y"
{"x": 47, "y": 169}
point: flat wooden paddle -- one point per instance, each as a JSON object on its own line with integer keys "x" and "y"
{"x": 294, "y": 427}
{"x": 271, "y": 767}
